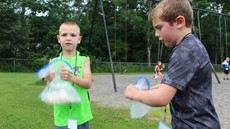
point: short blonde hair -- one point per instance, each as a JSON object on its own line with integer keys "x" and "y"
{"x": 70, "y": 23}
{"x": 169, "y": 10}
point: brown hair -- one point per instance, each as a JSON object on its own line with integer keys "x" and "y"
{"x": 169, "y": 10}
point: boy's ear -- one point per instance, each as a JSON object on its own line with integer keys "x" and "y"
{"x": 180, "y": 21}
{"x": 80, "y": 37}
{"x": 58, "y": 38}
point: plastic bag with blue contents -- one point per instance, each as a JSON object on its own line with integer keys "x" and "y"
{"x": 138, "y": 109}
{"x": 57, "y": 91}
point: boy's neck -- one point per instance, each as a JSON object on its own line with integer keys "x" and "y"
{"x": 184, "y": 33}
{"x": 67, "y": 54}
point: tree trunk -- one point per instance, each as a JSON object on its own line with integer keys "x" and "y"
{"x": 149, "y": 55}
{"x": 149, "y": 43}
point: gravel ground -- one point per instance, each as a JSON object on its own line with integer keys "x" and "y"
{"x": 102, "y": 91}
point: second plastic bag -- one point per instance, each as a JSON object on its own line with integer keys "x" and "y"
{"x": 58, "y": 91}
{"x": 162, "y": 125}
{"x": 140, "y": 110}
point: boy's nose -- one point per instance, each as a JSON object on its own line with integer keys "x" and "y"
{"x": 156, "y": 34}
{"x": 68, "y": 37}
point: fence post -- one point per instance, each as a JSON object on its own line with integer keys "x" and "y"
{"x": 120, "y": 67}
{"x": 14, "y": 64}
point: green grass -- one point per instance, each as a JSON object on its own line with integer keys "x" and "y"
{"x": 22, "y": 109}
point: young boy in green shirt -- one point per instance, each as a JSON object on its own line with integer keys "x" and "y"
{"x": 74, "y": 113}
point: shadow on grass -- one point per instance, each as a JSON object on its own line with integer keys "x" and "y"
{"x": 119, "y": 118}
{"x": 40, "y": 82}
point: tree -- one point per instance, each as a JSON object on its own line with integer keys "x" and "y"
{"x": 29, "y": 28}
{"x": 14, "y": 33}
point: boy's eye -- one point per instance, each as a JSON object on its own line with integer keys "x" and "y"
{"x": 158, "y": 27}
{"x": 72, "y": 35}
{"x": 64, "y": 35}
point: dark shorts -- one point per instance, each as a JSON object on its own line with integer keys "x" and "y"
{"x": 83, "y": 126}
{"x": 226, "y": 71}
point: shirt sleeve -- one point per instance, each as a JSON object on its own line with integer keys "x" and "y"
{"x": 181, "y": 68}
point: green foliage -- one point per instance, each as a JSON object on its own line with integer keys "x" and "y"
{"x": 21, "y": 65}
{"x": 201, "y": 3}
{"x": 29, "y": 28}
{"x": 97, "y": 66}
{"x": 7, "y": 66}
{"x": 119, "y": 67}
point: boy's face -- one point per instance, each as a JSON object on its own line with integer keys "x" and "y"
{"x": 69, "y": 37}
{"x": 166, "y": 33}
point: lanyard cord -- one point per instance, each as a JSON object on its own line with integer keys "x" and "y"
{"x": 185, "y": 36}
{"x": 165, "y": 114}
{"x": 173, "y": 111}
{"x": 75, "y": 64}
{"x": 75, "y": 69}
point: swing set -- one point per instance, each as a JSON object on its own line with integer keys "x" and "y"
{"x": 220, "y": 45}
{"x": 222, "y": 30}
{"x": 160, "y": 46}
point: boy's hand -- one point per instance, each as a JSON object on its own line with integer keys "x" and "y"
{"x": 50, "y": 76}
{"x": 65, "y": 74}
{"x": 132, "y": 92}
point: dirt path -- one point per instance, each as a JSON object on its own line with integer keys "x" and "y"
{"x": 103, "y": 92}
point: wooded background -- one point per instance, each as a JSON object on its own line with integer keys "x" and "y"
{"x": 28, "y": 29}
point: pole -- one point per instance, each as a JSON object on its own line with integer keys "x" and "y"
{"x": 198, "y": 18}
{"x": 220, "y": 34}
{"x": 92, "y": 24}
{"x": 108, "y": 45}
{"x": 193, "y": 30}
{"x": 213, "y": 70}
{"x": 226, "y": 36}
{"x": 158, "y": 52}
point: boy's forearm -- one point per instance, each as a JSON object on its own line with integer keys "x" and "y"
{"x": 82, "y": 82}
{"x": 150, "y": 98}
{"x": 159, "y": 95}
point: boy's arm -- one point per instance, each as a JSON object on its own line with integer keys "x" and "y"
{"x": 50, "y": 75}
{"x": 159, "y": 96}
{"x": 86, "y": 81}
{"x": 49, "y": 78}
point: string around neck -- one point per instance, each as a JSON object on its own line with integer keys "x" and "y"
{"x": 75, "y": 64}
{"x": 185, "y": 36}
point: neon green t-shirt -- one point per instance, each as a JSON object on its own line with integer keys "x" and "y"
{"x": 78, "y": 111}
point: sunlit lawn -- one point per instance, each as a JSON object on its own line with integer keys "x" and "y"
{"x": 22, "y": 109}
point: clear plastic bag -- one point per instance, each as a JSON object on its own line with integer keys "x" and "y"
{"x": 140, "y": 110}
{"x": 58, "y": 91}
{"x": 162, "y": 125}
